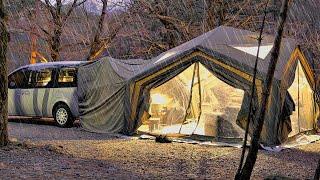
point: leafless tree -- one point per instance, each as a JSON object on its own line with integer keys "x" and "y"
{"x": 58, "y": 19}
{"x": 96, "y": 44}
{"x": 101, "y": 42}
{"x": 164, "y": 24}
{"x": 3, "y": 77}
{"x": 253, "y": 151}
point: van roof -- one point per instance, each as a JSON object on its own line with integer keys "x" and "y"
{"x": 52, "y": 65}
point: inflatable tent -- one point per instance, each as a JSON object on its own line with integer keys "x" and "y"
{"x": 200, "y": 87}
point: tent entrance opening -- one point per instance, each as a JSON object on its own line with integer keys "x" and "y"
{"x": 302, "y": 118}
{"x": 194, "y": 102}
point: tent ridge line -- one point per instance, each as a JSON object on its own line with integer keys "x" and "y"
{"x": 246, "y": 76}
{"x": 222, "y": 57}
{"x": 306, "y": 66}
{"x": 228, "y": 66}
{"x": 298, "y": 55}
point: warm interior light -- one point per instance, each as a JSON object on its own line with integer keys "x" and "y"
{"x": 220, "y": 104}
{"x": 158, "y": 98}
{"x": 188, "y": 128}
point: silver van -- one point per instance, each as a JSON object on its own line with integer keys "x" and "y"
{"x": 45, "y": 90}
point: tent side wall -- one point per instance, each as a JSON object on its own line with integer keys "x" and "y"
{"x": 301, "y": 87}
{"x": 101, "y": 95}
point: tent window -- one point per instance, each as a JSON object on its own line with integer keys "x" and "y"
{"x": 263, "y": 52}
{"x": 218, "y": 107}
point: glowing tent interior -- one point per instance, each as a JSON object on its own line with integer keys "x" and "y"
{"x": 304, "y": 117}
{"x": 194, "y": 102}
{"x": 201, "y": 87}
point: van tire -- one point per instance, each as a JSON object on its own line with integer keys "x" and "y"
{"x": 63, "y": 116}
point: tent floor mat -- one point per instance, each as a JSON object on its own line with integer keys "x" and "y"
{"x": 293, "y": 142}
{"x": 196, "y": 137}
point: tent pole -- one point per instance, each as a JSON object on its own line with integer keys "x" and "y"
{"x": 299, "y": 97}
{"x": 314, "y": 95}
{"x": 200, "y": 97}
{"x": 190, "y": 99}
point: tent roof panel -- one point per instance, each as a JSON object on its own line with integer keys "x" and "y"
{"x": 223, "y": 40}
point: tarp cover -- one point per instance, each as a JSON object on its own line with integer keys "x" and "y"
{"x": 101, "y": 95}
{"x": 114, "y": 95}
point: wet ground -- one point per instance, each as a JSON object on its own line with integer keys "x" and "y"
{"x": 49, "y": 151}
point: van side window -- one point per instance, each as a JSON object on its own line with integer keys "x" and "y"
{"x": 42, "y": 78}
{"x": 19, "y": 79}
{"x": 67, "y": 77}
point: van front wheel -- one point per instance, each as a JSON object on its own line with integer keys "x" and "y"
{"x": 63, "y": 116}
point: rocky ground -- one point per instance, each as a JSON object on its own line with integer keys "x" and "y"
{"x": 50, "y": 152}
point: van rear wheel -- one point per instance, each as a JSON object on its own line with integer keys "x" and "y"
{"x": 63, "y": 116}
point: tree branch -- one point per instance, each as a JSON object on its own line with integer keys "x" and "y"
{"x": 74, "y": 5}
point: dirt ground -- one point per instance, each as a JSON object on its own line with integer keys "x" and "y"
{"x": 50, "y": 152}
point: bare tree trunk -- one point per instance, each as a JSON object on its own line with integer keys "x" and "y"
{"x": 317, "y": 173}
{"x": 96, "y": 44}
{"x": 59, "y": 18}
{"x": 3, "y": 78}
{"x": 174, "y": 31}
{"x": 220, "y": 12}
{"x": 210, "y": 20}
{"x": 56, "y": 42}
{"x": 274, "y": 10}
{"x": 215, "y": 13}
{"x": 251, "y": 113}
{"x": 57, "y": 32}
{"x": 253, "y": 151}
